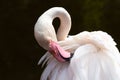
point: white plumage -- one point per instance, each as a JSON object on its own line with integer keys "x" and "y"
{"x": 95, "y": 56}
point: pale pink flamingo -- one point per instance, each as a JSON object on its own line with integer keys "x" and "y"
{"x": 85, "y": 56}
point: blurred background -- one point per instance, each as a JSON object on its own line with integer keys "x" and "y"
{"x": 20, "y": 52}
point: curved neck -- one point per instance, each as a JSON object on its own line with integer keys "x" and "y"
{"x": 44, "y": 30}
{"x": 65, "y": 21}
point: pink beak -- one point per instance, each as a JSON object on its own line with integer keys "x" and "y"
{"x": 58, "y": 52}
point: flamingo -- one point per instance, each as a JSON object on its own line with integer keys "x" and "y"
{"x": 84, "y": 56}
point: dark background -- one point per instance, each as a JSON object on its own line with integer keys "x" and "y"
{"x": 20, "y": 53}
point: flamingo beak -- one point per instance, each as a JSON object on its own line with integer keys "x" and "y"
{"x": 58, "y": 52}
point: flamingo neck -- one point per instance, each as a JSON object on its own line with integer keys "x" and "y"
{"x": 65, "y": 21}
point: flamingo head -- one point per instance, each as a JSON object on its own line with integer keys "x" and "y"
{"x": 58, "y": 52}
